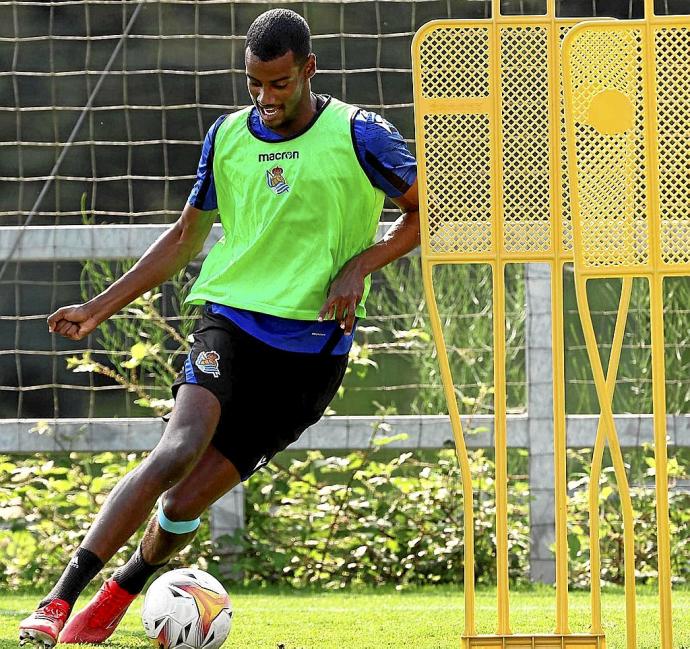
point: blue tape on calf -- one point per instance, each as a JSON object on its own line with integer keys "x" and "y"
{"x": 175, "y": 527}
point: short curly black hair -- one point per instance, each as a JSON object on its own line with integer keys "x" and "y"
{"x": 278, "y": 31}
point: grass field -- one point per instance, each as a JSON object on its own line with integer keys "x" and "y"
{"x": 384, "y": 619}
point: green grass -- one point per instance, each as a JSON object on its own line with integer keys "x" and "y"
{"x": 384, "y": 619}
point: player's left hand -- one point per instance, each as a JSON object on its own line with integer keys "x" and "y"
{"x": 344, "y": 296}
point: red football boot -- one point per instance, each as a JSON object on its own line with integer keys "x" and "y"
{"x": 97, "y": 622}
{"x": 43, "y": 626}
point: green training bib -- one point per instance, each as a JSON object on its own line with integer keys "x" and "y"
{"x": 293, "y": 213}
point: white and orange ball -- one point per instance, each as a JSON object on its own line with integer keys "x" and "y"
{"x": 187, "y": 609}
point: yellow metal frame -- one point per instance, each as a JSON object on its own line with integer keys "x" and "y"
{"x": 620, "y": 82}
{"x": 457, "y": 228}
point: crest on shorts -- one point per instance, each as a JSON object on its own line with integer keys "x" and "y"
{"x": 207, "y": 362}
{"x": 276, "y": 181}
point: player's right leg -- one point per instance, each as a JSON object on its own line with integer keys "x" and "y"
{"x": 186, "y": 438}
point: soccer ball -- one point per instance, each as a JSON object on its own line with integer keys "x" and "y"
{"x": 186, "y": 609}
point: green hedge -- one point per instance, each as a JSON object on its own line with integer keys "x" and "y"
{"x": 368, "y": 517}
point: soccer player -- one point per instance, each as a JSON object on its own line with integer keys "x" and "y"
{"x": 299, "y": 180}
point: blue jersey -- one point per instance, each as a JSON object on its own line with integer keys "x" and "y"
{"x": 385, "y": 159}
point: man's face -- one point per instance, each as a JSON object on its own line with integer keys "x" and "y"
{"x": 279, "y": 88}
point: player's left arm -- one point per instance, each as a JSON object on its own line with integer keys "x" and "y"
{"x": 348, "y": 287}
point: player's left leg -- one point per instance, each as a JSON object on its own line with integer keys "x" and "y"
{"x": 169, "y": 530}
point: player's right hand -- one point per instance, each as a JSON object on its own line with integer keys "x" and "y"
{"x": 74, "y": 322}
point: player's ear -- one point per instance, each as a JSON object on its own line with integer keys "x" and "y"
{"x": 310, "y": 66}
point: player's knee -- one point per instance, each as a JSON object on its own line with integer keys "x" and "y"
{"x": 178, "y": 508}
{"x": 170, "y": 463}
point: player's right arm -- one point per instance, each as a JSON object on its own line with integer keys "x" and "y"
{"x": 171, "y": 252}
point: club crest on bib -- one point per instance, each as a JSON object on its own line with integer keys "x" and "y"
{"x": 207, "y": 362}
{"x": 276, "y": 181}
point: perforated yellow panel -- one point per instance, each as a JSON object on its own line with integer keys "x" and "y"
{"x": 526, "y": 179}
{"x": 485, "y": 87}
{"x": 628, "y": 138}
{"x": 459, "y": 196}
{"x": 611, "y": 149}
{"x": 672, "y": 83}
{"x": 629, "y": 91}
{"x": 454, "y": 63}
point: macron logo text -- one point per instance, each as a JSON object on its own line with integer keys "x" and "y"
{"x": 280, "y": 155}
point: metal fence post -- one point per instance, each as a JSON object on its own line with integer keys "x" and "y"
{"x": 227, "y": 516}
{"x": 540, "y": 421}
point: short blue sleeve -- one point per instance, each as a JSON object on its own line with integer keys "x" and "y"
{"x": 203, "y": 195}
{"x": 383, "y": 154}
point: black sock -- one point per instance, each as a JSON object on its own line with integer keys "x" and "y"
{"x": 82, "y": 568}
{"x": 133, "y": 576}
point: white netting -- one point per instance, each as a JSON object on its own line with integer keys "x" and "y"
{"x": 134, "y": 155}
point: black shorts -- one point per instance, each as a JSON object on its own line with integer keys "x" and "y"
{"x": 268, "y": 396}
